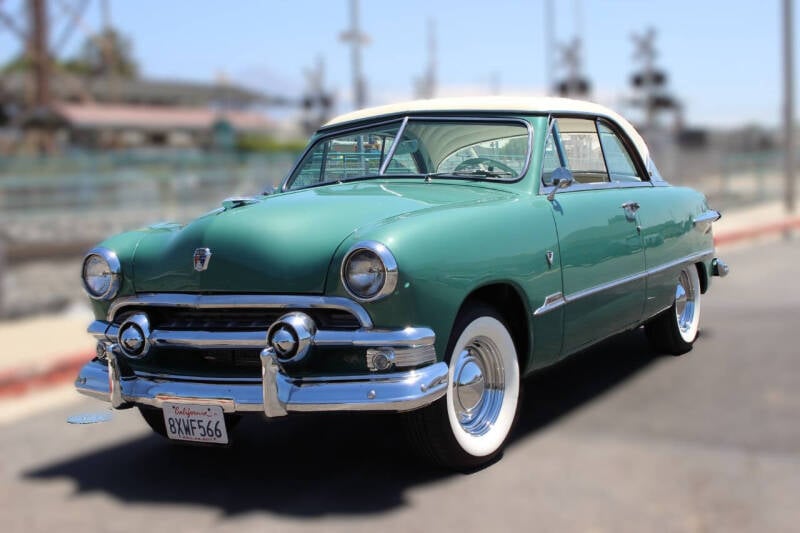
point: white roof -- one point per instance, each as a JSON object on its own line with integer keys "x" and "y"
{"x": 499, "y": 103}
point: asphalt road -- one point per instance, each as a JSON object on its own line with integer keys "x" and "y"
{"x": 615, "y": 439}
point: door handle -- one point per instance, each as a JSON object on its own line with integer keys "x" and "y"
{"x": 630, "y": 210}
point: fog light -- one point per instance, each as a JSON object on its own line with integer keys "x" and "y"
{"x": 134, "y": 336}
{"x": 380, "y": 359}
{"x": 291, "y": 337}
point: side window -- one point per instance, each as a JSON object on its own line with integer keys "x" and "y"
{"x": 551, "y": 160}
{"x": 619, "y": 160}
{"x": 582, "y": 149}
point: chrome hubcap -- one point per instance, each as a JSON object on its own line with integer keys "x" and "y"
{"x": 478, "y": 385}
{"x": 684, "y": 302}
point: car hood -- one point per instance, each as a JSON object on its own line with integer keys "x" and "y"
{"x": 283, "y": 243}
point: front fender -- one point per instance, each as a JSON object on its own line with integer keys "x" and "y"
{"x": 445, "y": 255}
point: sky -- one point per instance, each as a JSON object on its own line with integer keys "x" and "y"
{"x": 723, "y": 58}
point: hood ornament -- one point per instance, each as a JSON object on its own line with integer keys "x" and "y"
{"x": 201, "y": 257}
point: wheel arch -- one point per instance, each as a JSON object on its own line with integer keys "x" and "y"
{"x": 507, "y": 299}
{"x": 702, "y": 273}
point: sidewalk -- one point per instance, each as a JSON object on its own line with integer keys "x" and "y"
{"x": 48, "y": 349}
{"x": 763, "y": 220}
{"x": 44, "y": 349}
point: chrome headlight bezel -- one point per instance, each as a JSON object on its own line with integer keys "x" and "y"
{"x": 114, "y": 273}
{"x": 388, "y": 263}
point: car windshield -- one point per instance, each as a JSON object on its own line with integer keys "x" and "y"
{"x": 472, "y": 149}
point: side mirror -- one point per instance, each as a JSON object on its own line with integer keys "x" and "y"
{"x": 561, "y": 179}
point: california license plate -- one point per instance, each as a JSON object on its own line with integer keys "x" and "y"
{"x": 195, "y": 423}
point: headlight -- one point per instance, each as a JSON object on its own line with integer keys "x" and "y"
{"x": 101, "y": 274}
{"x": 369, "y": 271}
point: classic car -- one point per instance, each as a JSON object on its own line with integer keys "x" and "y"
{"x": 420, "y": 258}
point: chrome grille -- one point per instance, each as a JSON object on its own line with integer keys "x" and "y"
{"x": 235, "y": 319}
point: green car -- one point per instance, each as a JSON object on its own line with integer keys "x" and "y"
{"x": 420, "y": 258}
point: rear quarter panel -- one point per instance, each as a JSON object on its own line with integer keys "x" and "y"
{"x": 667, "y": 217}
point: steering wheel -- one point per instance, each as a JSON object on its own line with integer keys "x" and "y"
{"x": 476, "y": 161}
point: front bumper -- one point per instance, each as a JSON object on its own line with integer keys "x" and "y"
{"x": 275, "y": 394}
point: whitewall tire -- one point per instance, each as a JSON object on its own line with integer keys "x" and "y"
{"x": 469, "y": 426}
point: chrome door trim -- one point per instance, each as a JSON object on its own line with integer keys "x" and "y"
{"x": 554, "y": 301}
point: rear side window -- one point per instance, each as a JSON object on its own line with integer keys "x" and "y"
{"x": 619, "y": 161}
{"x": 582, "y": 149}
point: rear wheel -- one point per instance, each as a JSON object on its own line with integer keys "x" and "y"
{"x": 468, "y": 428}
{"x": 675, "y": 330}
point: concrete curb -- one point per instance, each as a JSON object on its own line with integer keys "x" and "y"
{"x": 737, "y": 236}
{"x": 19, "y": 381}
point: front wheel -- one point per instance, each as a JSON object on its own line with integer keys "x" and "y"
{"x": 675, "y": 330}
{"x": 468, "y": 428}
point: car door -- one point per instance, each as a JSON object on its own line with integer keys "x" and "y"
{"x": 600, "y": 245}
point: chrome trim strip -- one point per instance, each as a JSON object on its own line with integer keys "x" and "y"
{"x": 554, "y": 301}
{"x": 400, "y": 391}
{"x": 579, "y": 187}
{"x": 703, "y": 221}
{"x": 266, "y": 301}
{"x": 687, "y": 259}
{"x": 604, "y": 286}
{"x": 551, "y": 302}
{"x": 397, "y": 140}
{"x": 708, "y": 216}
{"x": 97, "y": 329}
{"x": 209, "y": 340}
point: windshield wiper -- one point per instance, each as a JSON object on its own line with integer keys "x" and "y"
{"x": 476, "y": 173}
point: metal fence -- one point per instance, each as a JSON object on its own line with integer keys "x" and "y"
{"x": 53, "y": 209}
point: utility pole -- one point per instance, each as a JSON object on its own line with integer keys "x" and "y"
{"x": 549, "y": 45}
{"x": 317, "y": 101}
{"x": 109, "y": 53}
{"x": 426, "y": 84}
{"x": 39, "y": 54}
{"x": 357, "y": 39}
{"x": 788, "y": 104}
{"x": 650, "y": 82}
{"x": 575, "y": 84}
{"x": 39, "y": 108}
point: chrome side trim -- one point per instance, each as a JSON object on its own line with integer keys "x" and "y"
{"x": 708, "y": 216}
{"x": 399, "y": 391}
{"x": 703, "y": 221}
{"x": 266, "y": 301}
{"x": 209, "y": 340}
{"x": 687, "y": 259}
{"x": 554, "y": 301}
{"x": 605, "y": 286}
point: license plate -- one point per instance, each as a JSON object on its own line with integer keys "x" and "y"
{"x": 195, "y": 423}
